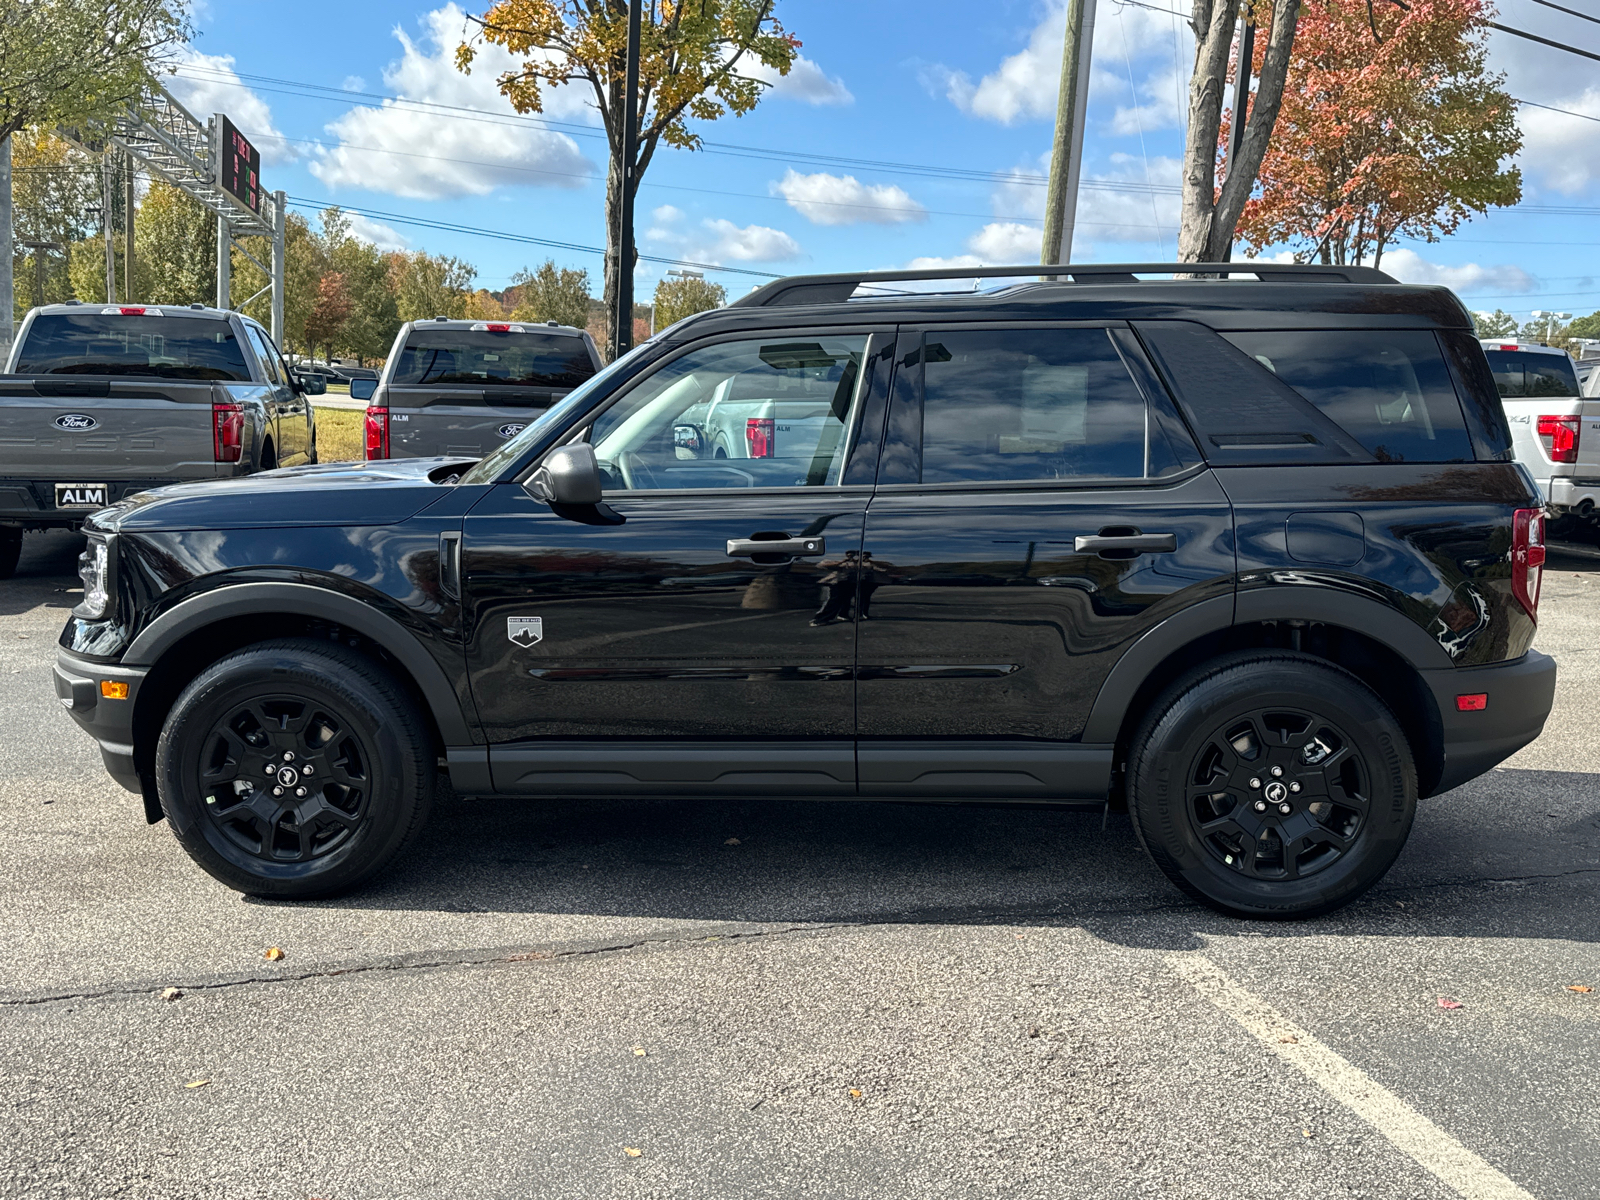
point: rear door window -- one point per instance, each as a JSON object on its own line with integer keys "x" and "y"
{"x": 479, "y": 357}
{"x": 1390, "y": 390}
{"x": 1520, "y": 375}
{"x": 112, "y": 344}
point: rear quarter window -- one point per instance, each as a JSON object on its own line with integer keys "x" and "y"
{"x": 1390, "y": 390}
{"x": 111, "y": 344}
{"x": 483, "y": 357}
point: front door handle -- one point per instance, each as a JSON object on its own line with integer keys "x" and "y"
{"x": 1137, "y": 543}
{"x": 799, "y": 547}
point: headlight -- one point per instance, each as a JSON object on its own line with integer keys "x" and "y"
{"x": 94, "y": 568}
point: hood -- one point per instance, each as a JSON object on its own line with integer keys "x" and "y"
{"x": 385, "y": 492}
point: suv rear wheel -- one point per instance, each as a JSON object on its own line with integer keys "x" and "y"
{"x": 1272, "y": 785}
{"x": 294, "y": 769}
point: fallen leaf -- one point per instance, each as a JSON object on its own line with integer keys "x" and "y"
{"x": 171, "y": 993}
{"x": 1290, "y": 1038}
{"x": 855, "y": 1093}
{"x": 638, "y": 1051}
{"x": 631, "y": 1152}
{"x": 731, "y": 842}
{"x": 194, "y": 1083}
{"x": 1305, "y": 1133}
{"x": 272, "y": 954}
{"x": 530, "y": 956}
{"x": 1443, "y": 1003}
{"x": 1580, "y": 987}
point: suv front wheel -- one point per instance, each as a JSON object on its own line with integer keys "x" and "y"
{"x": 1271, "y": 785}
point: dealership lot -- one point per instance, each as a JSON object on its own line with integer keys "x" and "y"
{"x": 776, "y": 998}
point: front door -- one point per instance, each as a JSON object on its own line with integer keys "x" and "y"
{"x": 1040, "y": 505}
{"x": 710, "y": 629}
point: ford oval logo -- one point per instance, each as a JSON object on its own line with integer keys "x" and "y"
{"x": 76, "y": 422}
{"x": 510, "y": 431}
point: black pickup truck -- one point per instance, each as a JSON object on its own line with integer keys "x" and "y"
{"x": 1248, "y": 557}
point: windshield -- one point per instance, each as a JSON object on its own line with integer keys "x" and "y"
{"x": 112, "y": 344}
{"x": 488, "y": 469}
{"x": 480, "y": 356}
{"x": 1518, "y": 374}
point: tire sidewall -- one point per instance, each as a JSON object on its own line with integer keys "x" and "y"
{"x": 1194, "y": 710}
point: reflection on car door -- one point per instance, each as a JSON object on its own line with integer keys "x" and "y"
{"x": 1039, "y": 506}
{"x": 705, "y": 629}
{"x": 285, "y": 406}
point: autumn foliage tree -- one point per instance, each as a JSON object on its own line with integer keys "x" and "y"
{"x": 696, "y": 59}
{"x": 330, "y": 312}
{"x": 1391, "y": 127}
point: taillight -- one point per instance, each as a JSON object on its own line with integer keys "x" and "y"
{"x": 1527, "y": 557}
{"x": 227, "y": 432}
{"x": 377, "y": 433}
{"x": 1560, "y": 438}
{"x": 758, "y": 436}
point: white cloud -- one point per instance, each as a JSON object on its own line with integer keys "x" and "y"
{"x": 1410, "y": 267}
{"x": 1007, "y": 242}
{"x": 825, "y": 199}
{"x": 412, "y": 152}
{"x": 1160, "y": 92}
{"x": 806, "y": 82}
{"x": 1130, "y": 205}
{"x": 376, "y": 232}
{"x": 1560, "y": 153}
{"x": 211, "y": 85}
{"x": 750, "y": 243}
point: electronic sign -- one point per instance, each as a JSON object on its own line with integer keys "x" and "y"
{"x": 241, "y": 167}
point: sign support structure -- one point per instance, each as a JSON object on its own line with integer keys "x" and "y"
{"x": 622, "y": 322}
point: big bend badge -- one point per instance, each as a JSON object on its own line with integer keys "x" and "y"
{"x": 525, "y": 631}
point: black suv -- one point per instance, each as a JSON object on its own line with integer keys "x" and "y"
{"x": 1248, "y": 556}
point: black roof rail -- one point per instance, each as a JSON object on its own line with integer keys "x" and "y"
{"x": 828, "y": 289}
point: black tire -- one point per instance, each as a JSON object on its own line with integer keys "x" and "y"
{"x": 368, "y": 791}
{"x": 10, "y": 550}
{"x": 269, "y": 456}
{"x": 311, "y": 455}
{"x": 1204, "y": 758}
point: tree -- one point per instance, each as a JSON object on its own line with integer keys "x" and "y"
{"x": 1548, "y": 332}
{"x": 689, "y": 60}
{"x": 175, "y": 249}
{"x": 1498, "y": 324}
{"x": 374, "y": 317}
{"x": 1391, "y": 127}
{"x": 329, "y": 314}
{"x": 552, "y": 294}
{"x": 1583, "y": 327}
{"x": 53, "y": 189}
{"x": 1210, "y": 214}
{"x": 676, "y": 299}
{"x": 429, "y": 285}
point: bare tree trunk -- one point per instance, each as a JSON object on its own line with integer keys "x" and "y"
{"x": 1210, "y": 215}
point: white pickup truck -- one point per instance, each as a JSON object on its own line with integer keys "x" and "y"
{"x": 1555, "y": 429}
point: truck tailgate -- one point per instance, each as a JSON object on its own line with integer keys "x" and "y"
{"x": 99, "y": 430}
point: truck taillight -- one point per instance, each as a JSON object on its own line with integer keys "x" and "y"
{"x": 377, "y": 433}
{"x": 758, "y": 436}
{"x": 1527, "y": 557}
{"x": 1560, "y": 438}
{"x": 227, "y": 432}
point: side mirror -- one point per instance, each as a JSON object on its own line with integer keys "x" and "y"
{"x": 689, "y": 439}
{"x": 362, "y": 389}
{"x": 312, "y": 385}
{"x": 569, "y": 475}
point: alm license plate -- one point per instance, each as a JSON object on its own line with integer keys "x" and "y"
{"x": 82, "y": 495}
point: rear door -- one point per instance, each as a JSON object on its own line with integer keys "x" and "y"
{"x": 286, "y": 407}
{"x": 1039, "y": 507}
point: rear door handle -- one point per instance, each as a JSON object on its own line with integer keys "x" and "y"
{"x": 799, "y": 547}
{"x": 1139, "y": 543}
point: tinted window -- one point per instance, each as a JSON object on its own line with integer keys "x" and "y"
{"x": 269, "y": 360}
{"x": 1390, "y": 391}
{"x": 482, "y": 357}
{"x": 773, "y": 412}
{"x": 163, "y": 347}
{"x": 1517, "y": 373}
{"x": 1028, "y": 404}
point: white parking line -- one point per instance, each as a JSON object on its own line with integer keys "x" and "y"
{"x": 1411, "y": 1132}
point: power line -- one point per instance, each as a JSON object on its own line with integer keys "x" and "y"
{"x": 1543, "y": 41}
{"x": 1569, "y": 11}
{"x": 1554, "y": 109}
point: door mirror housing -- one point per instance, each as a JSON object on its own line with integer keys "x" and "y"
{"x": 312, "y": 385}
{"x": 362, "y": 389}
{"x": 568, "y": 475}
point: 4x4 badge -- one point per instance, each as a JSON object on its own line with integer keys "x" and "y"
{"x": 525, "y": 631}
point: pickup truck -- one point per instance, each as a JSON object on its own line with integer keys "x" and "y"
{"x": 101, "y": 401}
{"x": 1549, "y": 417}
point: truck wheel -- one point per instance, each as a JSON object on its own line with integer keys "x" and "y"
{"x": 269, "y": 456}
{"x": 294, "y": 769}
{"x": 10, "y": 550}
{"x": 1271, "y": 785}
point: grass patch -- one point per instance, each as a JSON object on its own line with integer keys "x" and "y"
{"x": 341, "y": 434}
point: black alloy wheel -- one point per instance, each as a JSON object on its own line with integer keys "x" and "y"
{"x": 1272, "y": 785}
{"x": 295, "y": 768}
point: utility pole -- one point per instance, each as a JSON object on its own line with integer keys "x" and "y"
{"x": 280, "y": 209}
{"x": 1066, "y": 151}
{"x": 106, "y": 225}
{"x": 6, "y": 293}
{"x": 622, "y": 322}
{"x": 1241, "y": 91}
{"x": 127, "y": 221}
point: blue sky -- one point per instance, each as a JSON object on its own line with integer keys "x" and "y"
{"x": 916, "y": 89}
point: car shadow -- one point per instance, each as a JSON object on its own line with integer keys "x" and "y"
{"x": 46, "y": 575}
{"x": 1493, "y": 858}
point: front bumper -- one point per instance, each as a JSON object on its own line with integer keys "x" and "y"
{"x": 1520, "y": 694}
{"x": 109, "y": 722}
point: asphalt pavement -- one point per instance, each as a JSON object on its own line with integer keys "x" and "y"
{"x": 766, "y": 998}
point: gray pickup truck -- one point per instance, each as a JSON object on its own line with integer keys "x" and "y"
{"x": 101, "y": 401}
{"x": 461, "y": 388}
